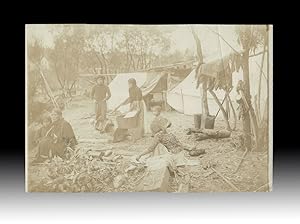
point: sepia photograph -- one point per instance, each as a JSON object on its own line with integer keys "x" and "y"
{"x": 149, "y": 108}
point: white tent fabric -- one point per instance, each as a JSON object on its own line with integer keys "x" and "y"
{"x": 185, "y": 98}
{"x": 119, "y": 87}
{"x": 119, "y": 90}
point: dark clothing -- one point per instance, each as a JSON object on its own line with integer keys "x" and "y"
{"x": 100, "y": 110}
{"x": 135, "y": 94}
{"x": 59, "y": 137}
{"x": 41, "y": 133}
{"x": 100, "y": 92}
{"x": 64, "y": 132}
{"x": 139, "y": 131}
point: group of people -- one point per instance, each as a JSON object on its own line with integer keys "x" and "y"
{"x": 54, "y": 138}
{"x": 101, "y": 93}
{"x": 57, "y": 136}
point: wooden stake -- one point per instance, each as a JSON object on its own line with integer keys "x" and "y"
{"x": 259, "y": 82}
{"x": 233, "y": 111}
{"x": 222, "y": 109}
{"x": 204, "y": 104}
{"x": 261, "y": 187}
{"x": 48, "y": 89}
{"x": 225, "y": 179}
{"x": 243, "y": 157}
{"x": 182, "y": 100}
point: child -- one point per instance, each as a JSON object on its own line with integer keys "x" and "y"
{"x": 42, "y": 136}
{"x": 159, "y": 131}
{"x": 42, "y": 132}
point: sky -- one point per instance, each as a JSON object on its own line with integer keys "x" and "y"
{"x": 181, "y": 38}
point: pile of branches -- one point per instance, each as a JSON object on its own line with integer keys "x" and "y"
{"x": 89, "y": 174}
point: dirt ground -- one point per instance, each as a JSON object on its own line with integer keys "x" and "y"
{"x": 223, "y": 154}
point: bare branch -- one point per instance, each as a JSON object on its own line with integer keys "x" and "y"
{"x": 198, "y": 43}
{"x": 253, "y": 55}
{"x": 223, "y": 40}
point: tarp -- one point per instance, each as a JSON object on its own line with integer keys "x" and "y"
{"x": 151, "y": 83}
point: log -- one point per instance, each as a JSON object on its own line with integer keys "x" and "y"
{"x": 209, "y": 132}
{"x": 202, "y": 134}
{"x": 217, "y": 135}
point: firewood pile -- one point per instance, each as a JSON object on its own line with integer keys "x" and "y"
{"x": 89, "y": 174}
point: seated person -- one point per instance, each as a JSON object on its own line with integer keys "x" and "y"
{"x": 42, "y": 132}
{"x": 159, "y": 131}
{"x": 57, "y": 139}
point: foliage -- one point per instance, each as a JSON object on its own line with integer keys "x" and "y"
{"x": 66, "y": 57}
{"x": 251, "y": 37}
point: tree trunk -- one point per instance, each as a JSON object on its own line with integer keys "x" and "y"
{"x": 99, "y": 60}
{"x": 259, "y": 84}
{"x": 246, "y": 117}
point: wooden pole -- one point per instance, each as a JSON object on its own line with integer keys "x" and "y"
{"x": 204, "y": 104}
{"x": 182, "y": 100}
{"x": 48, "y": 89}
{"x": 222, "y": 109}
{"x": 233, "y": 111}
{"x": 246, "y": 117}
{"x": 259, "y": 84}
{"x": 250, "y": 113}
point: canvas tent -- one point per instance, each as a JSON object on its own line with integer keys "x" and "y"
{"x": 186, "y": 98}
{"x": 119, "y": 86}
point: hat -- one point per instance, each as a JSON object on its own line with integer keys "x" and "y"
{"x": 100, "y": 77}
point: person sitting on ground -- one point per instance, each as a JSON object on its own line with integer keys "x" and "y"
{"x": 58, "y": 138}
{"x": 159, "y": 131}
{"x": 42, "y": 132}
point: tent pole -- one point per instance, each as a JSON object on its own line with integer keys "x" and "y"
{"x": 48, "y": 89}
{"x": 233, "y": 111}
{"x": 204, "y": 104}
{"x": 259, "y": 84}
{"x": 182, "y": 100}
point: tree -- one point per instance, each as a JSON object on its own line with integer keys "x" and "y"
{"x": 35, "y": 54}
{"x": 66, "y": 57}
{"x": 250, "y": 39}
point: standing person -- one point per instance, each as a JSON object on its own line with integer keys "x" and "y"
{"x": 136, "y": 104}
{"x": 100, "y": 94}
